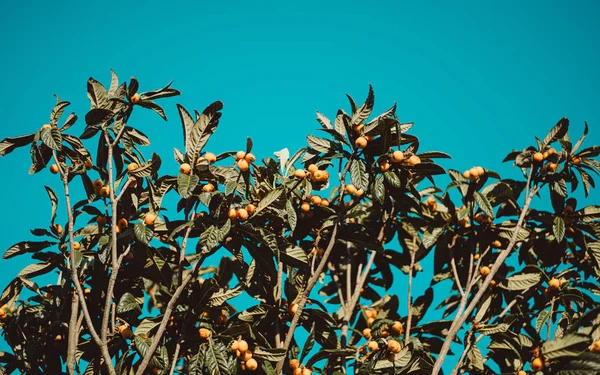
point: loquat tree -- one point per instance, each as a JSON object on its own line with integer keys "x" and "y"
{"x": 316, "y": 243}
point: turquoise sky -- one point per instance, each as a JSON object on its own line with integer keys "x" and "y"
{"x": 477, "y": 78}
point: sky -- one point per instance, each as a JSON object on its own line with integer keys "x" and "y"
{"x": 478, "y": 78}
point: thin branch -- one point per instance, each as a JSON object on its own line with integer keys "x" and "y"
{"x": 165, "y": 320}
{"x": 486, "y": 282}
{"x": 175, "y": 356}
{"x": 336, "y": 280}
{"x": 110, "y": 293}
{"x": 408, "y": 296}
{"x": 124, "y": 188}
{"x": 73, "y": 334}
{"x": 75, "y": 276}
{"x": 548, "y": 334}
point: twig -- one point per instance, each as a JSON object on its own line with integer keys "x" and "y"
{"x": 409, "y": 299}
{"x": 165, "y": 320}
{"x": 336, "y": 280}
{"x": 73, "y": 334}
{"x": 110, "y": 293}
{"x": 548, "y": 334}
{"x": 486, "y": 282}
{"x": 124, "y": 188}
{"x": 175, "y": 356}
{"x": 75, "y": 276}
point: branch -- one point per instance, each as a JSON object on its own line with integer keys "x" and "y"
{"x": 165, "y": 320}
{"x": 124, "y": 188}
{"x": 73, "y": 334}
{"x": 175, "y": 356}
{"x": 75, "y": 276}
{"x": 336, "y": 280}
{"x": 486, "y": 282}
{"x": 409, "y": 299}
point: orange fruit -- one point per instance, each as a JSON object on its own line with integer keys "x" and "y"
{"x": 521, "y": 373}
{"x": 210, "y": 157}
{"x": 373, "y": 346}
{"x": 551, "y": 151}
{"x": 204, "y": 333}
{"x": 359, "y": 192}
{"x": 554, "y": 283}
{"x": 313, "y": 168}
{"x": 105, "y": 191}
{"x": 430, "y": 200}
{"x": 397, "y": 328}
{"x": 351, "y": 189}
{"x": 305, "y": 206}
{"x": 243, "y": 346}
{"x": 46, "y": 126}
{"x": 537, "y": 364}
{"x": 232, "y": 213}
{"x": 150, "y": 218}
{"x": 125, "y": 331}
{"x": 361, "y": 142}
{"x": 316, "y": 200}
{"x": 576, "y": 160}
{"x": 476, "y": 256}
{"x": 596, "y": 346}
{"x": 246, "y": 356}
{"x": 132, "y": 166}
{"x": 358, "y": 128}
{"x": 122, "y": 223}
{"x": 101, "y": 220}
{"x": 250, "y": 208}
{"x": 54, "y": 169}
{"x": 88, "y": 165}
{"x": 294, "y": 363}
{"x": 485, "y": 270}
{"x": 480, "y": 171}
{"x": 474, "y": 172}
{"x": 240, "y": 155}
{"x": 306, "y": 371}
{"x": 385, "y": 166}
{"x": 300, "y": 173}
{"x": 297, "y": 371}
{"x": 367, "y": 332}
{"x": 293, "y": 308}
{"x": 76, "y": 246}
{"x": 251, "y": 364}
{"x": 243, "y": 165}
{"x": 135, "y": 98}
{"x": 58, "y": 229}
{"x": 250, "y": 158}
{"x": 552, "y": 166}
{"x": 208, "y": 188}
{"x": 394, "y": 346}
{"x": 414, "y": 160}
{"x": 98, "y": 185}
{"x": 370, "y": 321}
{"x": 397, "y": 156}
{"x": 545, "y": 154}
{"x": 235, "y": 346}
{"x": 496, "y": 243}
{"x": 185, "y": 168}
{"x": 538, "y": 157}
{"x": 242, "y": 214}
{"x": 324, "y": 202}
{"x": 467, "y": 174}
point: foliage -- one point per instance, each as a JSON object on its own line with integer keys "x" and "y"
{"x": 135, "y": 292}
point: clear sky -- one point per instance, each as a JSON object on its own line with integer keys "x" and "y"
{"x": 477, "y": 78}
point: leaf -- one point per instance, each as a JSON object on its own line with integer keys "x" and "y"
{"x": 541, "y": 320}
{"x": 202, "y": 129}
{"x": 521, "y": 282}
{"x": 145, "y": 327}
{"x": 430, "y": 238}
{"x": 294, "y": 253}
{"x": 186, "y": 184}
{"x": 54, "y": 200}
{"x": 324, "y": 121}
{"x": 557, "y": 132}
{"x": 497, "y": 193}
{"x": 476, "y": 358}
{"x": 142, "y": 233}
{"x": 57, "y": 111}
{"x": 492, "y": 329}
{"x": 153, "y": 106}
{"x": 271, "y": 197}
{"x": 26, "y": 247}
{"x": 215, "y": 358}
{"x": 273, "y": 355}
{"x": 569, "y": 345}
{"x": 98, "y": 116}
{"x": 127, "y": 303}
{"x": 364, "y": 111}
{"x": 291, "y": 215}
{"x": 320, "y": 144}
{"x": 358, "y": 174}
{"x": 379, "y": 190}
{"x": 309, "y": 343}
{"x": 52, "y": 138}
{"x": 558, "y": 228}
{"x": 9, "y": 144}
{"x": 484, "y": 204}
{"x": 330, "y": 353}
{"x": 213, "y": 235}
{"x": 96, "y": 93}
{"x": 36, "y": 269}
{"x": 220, "y": 298}
{"x": 147, "y": 169}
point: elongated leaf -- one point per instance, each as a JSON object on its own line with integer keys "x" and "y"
{"x": 522, "y": 281}
{"x": 52, "y": 138}
{"x": 203, "y": 128}
{"x": 220, "y": 298}
{"x": 358, "y": 174}
{"x": 320, "y": 144}
{"x": 484, "y": 204}
{"x": 569, "y": 345}
{"x": 9, "y": 144}
{"x": 291, "y": 215}
{"x": 127, "y": 303}
{"x": 186, "y": 184}
{"x": 324, "y": 121}
{"x": 364, "y": 111}
{"x": 273, "y": 355}
{"x": 26, "y": 247}
{"x": 558, "y": 228}
{"x": 557, "y": 132}
{"x": 54, "y": 200}
{"x": 215, "y": 358}
{"x": 541, "y": 319}
{"x": 36, "y": 269}
{"x": 271, "y": 197}
{"x": 142, "y": 233}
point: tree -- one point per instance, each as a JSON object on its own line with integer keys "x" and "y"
{"x": 146, "y": 290}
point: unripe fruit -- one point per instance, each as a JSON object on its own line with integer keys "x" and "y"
{"x": 150, "y": 218}
{"x": 294, "y": 363}
{"x": 105, "y": 191}
{"x": 397, "y": 156}
{"x": 373, "y": 346}
{"x": 537, "y": 364}
{"x": 394, "y": 346}
{"x": 243, "y": 165}
{"x": 313, "y": 168}
{"x": 204, "y": 333}
{"x": 554, "y": 283}
{"x": 367, "y": 333}
{"x": 232, "y": 213}
{"x": 305, "y": 206}
{"x": 484, "y": 271}
{"x": 414, "y": 160}
{"x": 251, "y": 364}
{"x": 361, "y": 142}
{"x": 135, "y": 98}
{"x": 243, "y": 346}
{"x": 240, "y": 155}
{"x": 54, "y": 169}
{"x": 185, "y": 168}
{"x": 300, "y": 173}
{"x": 210, "y": 157}
{"x": 250, "y": 158}
{"x": 132, "y": 166}
{"x": 538, "y": 157}
{"x": 76, "y": 246}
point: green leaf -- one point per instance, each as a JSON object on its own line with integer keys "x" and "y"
{"x": 215, "y": 358}
{"x": 583, "y": 364}
{"x": 430, "y": 238}
{"x": 364, "y": 111}
{"x": 203, "y": 128}
{"x": 127, "y": 303}
{"x": 497, "y": 193}
{"x": 145, "y": 327}
{"x": 522, "y": 281}
{"x": 186, "y": 184}
{"x": 379, "y": 190}
{"x": 291, "y": 215}
{"x": 330, "y": 353}
{"x": 541, "y": 320}
{"x": 320, "y": 144}
{"x": 57, "y": 111}
{"x": 358, "y": 174}
{"x": 309, "y": 343}
{"x": 98, "y": 116}
{"x": 484, "y": 204}
{"x": 271, "y": 197}
{"x": 26, "y": 247}
{"x": 147, "y": 169}
{"x": 294, "y": 253}
{"x": 37, "y": 269}
{"x": 273, "y": 355}
{"x": 52, "y": 138}
{"x": 492, "y": 329}
{"x": 9, "y": 144}
{"x": 557, "y": 132}
{"x": 476, "y": 358}
{"x": 212, "y": 236}
{"x": 142, "y": 233}
{"x": 221, "y": 297}
{"x": 558, "y": 228}
{"x": 569, "y": 345}
{"x": 324, "y": 121}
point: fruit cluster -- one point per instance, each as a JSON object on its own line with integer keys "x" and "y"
{"x": 244, "y": 160}
{"x": 316, "y": 201}
{"x": 314, "y": 173}
{"x": 241, "y": 214}
{"x": 298, "y": 368}
{"x": 244, "y": 354}
{"x": 474, "y": 173}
